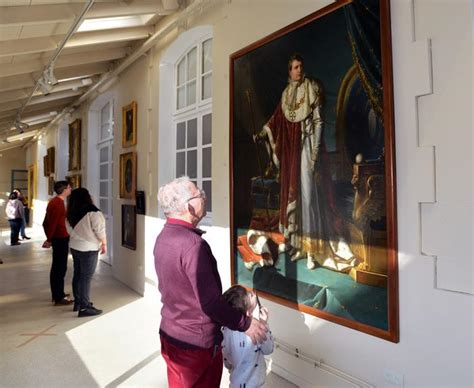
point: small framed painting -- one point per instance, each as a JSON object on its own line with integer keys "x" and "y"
{"x": 129, "y": 227}
{"x": 129, "y": 125}
{"x": 128, "y": 175}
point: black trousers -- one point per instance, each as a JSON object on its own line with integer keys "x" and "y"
{"x": 15, "y": 226}
{"x": 58, "y": 267}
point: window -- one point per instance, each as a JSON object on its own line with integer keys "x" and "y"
{"x": 106, "y": 122}
{"x": 193, "y": 76}
{"x": 105, "y": 149}
{"x": 193, "y": 117}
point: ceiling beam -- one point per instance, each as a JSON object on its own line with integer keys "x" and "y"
{"x": 24, "y": 93}
{"x": 28, "y": 81}
{"x": 45, "y": 44}
{"x": 106, "y": 36}
{"x": 35, "y": 111}
{"x": 35, "y": 119}
{"x": 54, "y": 13}
{"x": 40, "y": 99}
{"x": 9, "y": 69}
{"x": 14, "y": 95}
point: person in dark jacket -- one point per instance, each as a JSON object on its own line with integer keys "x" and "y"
{"x": 194, "y": 309}
{"x": 21, "y": 198}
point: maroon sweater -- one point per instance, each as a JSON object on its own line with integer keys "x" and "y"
{"x": 54, "y": 223}
{"x": 191, "y": 291}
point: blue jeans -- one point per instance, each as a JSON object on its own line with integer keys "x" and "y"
{"x": 15, "y": 226}
{"x": 85, "y": 264}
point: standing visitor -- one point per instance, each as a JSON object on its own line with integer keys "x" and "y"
{"x": 21, "y": 198}
{"x": 57, "y": 238}
{"x": 193, "y": 309}
{"x": 86, "y": 227}
{"x": 244, "y": 359}
{"x": 14, "y": 211}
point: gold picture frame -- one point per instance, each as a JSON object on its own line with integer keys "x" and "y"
{"x": 129, "y": 227}
{"x": 74, "y": 163}
{"x": 32, "y": 185}
{"x": 300, "y": 195}
{"x": 128, "y": 175}
{"x": 51, "y": 152}
{"x": 74, "y": 181}
{"x": 46, "y": 166}
{"x": 51, "y": 186}
{"x": 129, "y": 124}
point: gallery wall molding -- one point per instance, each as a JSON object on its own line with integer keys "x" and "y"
{"x": 445, "y": 224}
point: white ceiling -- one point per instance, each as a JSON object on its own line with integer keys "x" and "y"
{"x": 31, "y": 32}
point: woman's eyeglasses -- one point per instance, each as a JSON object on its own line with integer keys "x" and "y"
{"x": 201, "y": 194}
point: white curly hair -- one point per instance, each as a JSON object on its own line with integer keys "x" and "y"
{"x": 173, "y": 196}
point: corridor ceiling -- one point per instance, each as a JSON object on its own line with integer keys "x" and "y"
{"x": 40, "y": 79}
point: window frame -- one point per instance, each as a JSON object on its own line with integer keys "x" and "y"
{"x": 200, "y": 108}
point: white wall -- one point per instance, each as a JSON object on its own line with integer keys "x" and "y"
{"x": 433, "y": 124}
{"x": 134, "y": 84}
{"x": 435, "y": 196}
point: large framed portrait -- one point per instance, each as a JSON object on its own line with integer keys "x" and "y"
{"x": 74, "y": 162}
{"x": 312, "y": 172}
{"x": 128, "y": 175}
{"x": 129, "y": 125}
{"x": 129, "y": 227}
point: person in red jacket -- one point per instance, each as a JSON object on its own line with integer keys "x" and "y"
{"x": 57, "y": 237}
{"x": 194, "y": 309}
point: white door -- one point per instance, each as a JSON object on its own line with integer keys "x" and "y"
{"x": 105, "y": 192}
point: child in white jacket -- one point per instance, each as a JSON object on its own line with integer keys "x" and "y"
{"x": 245, "y": 360}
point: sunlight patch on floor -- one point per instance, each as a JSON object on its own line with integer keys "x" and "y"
{"x": 117, "y": 334}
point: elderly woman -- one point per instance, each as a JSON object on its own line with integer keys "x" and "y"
{"x": 86, "y": 227}
{"x": 190, "y": 330}
{"x": 14, "y": 211}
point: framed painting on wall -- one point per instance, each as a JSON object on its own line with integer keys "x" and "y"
{"x": 312, "y": 172}
{"x": 51, "y": 159}
{"x": 129, "y": 125}
{"x": 32, "y": 185}
{"x": 128, "y": 175}
{"x": 50, "y": 185}
{"x": 74, "y": 162}
{"x": 74, "y": 181}
{"x": 129, "y": 227}
{"x": 45, "y": 166}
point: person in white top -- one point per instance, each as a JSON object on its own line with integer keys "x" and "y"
{"x": 86, "y": 228}
{"x": 245, "y": 360}
{"x": 14, "y": 211}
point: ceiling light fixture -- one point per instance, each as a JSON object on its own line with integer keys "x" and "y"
{"x": 48, "y": 76}
{"x": 98, "y": 24}
{"x": 20, "y": 125}
{"x": 47, "y": 80}
{"x": 44, "y": 86}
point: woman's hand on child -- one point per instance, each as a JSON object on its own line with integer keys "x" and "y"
{"x": 257, "y": 331}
